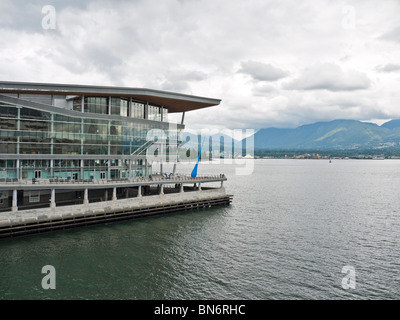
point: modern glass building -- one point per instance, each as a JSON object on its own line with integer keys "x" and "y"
{"x": 79, "y": 132}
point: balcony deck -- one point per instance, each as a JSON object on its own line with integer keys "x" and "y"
{"x": 69, "y": 184}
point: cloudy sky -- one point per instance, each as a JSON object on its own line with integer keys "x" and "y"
{"x": 272, "y": 63}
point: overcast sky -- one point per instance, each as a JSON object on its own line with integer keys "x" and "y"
{"x": 272, "y": 63}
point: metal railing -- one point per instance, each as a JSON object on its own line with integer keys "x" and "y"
{"x": 152, "y": 178}
{"x": 143, "y": 147}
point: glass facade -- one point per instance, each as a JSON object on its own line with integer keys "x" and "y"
{"x": 121, "y": 107}
{"x": 30, "y": 132}
{"x": 96, "y": 105}
{"x": 154, "y": 113}
{"x": 137, "y": 110}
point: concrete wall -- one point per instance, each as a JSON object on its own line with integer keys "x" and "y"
{"x": 50, "y": 214}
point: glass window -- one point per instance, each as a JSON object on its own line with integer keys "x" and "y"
{"x": 119, "y": 107}
{"x": 96, "y": 105}
{"x": 154, "y": 113}
{"x": 102, "y": 105}
{"x": 165, "y": 115}
{"x": 8, "y": 124}
{"x": 115, "y": 106}
{"x": 124, "y": 107}
{"x": 8, "y": 111}
{"x": 137, "y": 110}
{"x": 27, "y": 113}
{"x": 77, "y": 104}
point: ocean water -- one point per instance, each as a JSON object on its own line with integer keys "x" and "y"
{"x": 291, "y": 228}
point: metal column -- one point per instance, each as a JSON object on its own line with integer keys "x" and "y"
{"x": 114, "y": 197}
{"x": 14, "y": 201}
{"x": 53, "y": 199}
{"x": 86, "y": 196}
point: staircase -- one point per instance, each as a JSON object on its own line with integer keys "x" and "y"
{"x": 142, "y": 148}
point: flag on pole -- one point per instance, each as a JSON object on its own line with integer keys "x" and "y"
{"x": 194, "y": 171}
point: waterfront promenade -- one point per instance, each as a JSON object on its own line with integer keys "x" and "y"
{"x": 173, "y": 194}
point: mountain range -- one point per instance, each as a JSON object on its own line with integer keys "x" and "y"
{"x": 331, "y": 135}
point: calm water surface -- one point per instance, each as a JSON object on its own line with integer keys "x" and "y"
{"x": 293, "y": 225}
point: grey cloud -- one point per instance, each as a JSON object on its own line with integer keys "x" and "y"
{"x": 21, "y": 15}
{"x": 186, "y": 75}
{"x": 192, "y": 46}
{"x": 390, "y": 67}
{"x": 329, "y": 76}
{"x": 263, "y": 90}
{"x": 27, "y": 15}
{"x": 392, "y": 35}
{"x": 262, "y": 71}
{"x": 175, "y": 86}
{"x": 178, "y": 80}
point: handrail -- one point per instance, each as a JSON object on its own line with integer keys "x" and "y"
{"x": 155, "y": 178}
{"x": 142, "y": 148}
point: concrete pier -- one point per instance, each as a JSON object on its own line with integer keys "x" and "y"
{"x": 155, "y": 195}
{"x": 14, "y": 223}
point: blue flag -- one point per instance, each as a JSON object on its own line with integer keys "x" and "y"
{"x": 194, "y": 171}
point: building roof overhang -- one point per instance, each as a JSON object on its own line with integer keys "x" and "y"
{"x": 175, "y": 102}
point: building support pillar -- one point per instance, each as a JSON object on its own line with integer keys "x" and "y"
{"x": 161, "y": 154}
{"x": 82, "y": 130}
{"x": 161, "y": 189}
{"x": 82, "y": 166}
{"x": 130, "y": 109}
{"x": 139, "y": 192}
{"x": 183, "y": 117}
{"x": 222, "y": 184}
{"x": 114, "y": 196}
{"x": 14, "y": 201}
{"x": 146, "y": 168}
{"x": 53, "y": 199}
{"x": 86, "y": 196}
{"x": 106, "y": 195}
{"x": 51, "y": 168}
{"x": 181, "y": 188}
{"x": 17, "y": 169}
{"x": 146, "y": 111}
{"x": 199, "y": 187}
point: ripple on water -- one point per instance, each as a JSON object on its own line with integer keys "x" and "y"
{"x": 291, "y": 228}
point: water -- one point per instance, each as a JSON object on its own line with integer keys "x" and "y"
{"x": 293, "y": 225}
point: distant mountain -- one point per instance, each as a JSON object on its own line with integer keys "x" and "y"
{"x": 393, "y": 124}
{"x": 333, "y": 135}
{"x": 215, "y": 145}
{"x": 194, "y": 141}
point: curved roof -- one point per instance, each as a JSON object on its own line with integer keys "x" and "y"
{"x": 175, "y": 102}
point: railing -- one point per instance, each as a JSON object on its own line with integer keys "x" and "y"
{"x": 7, "y": 180}
{"x": 153, "y": 178}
